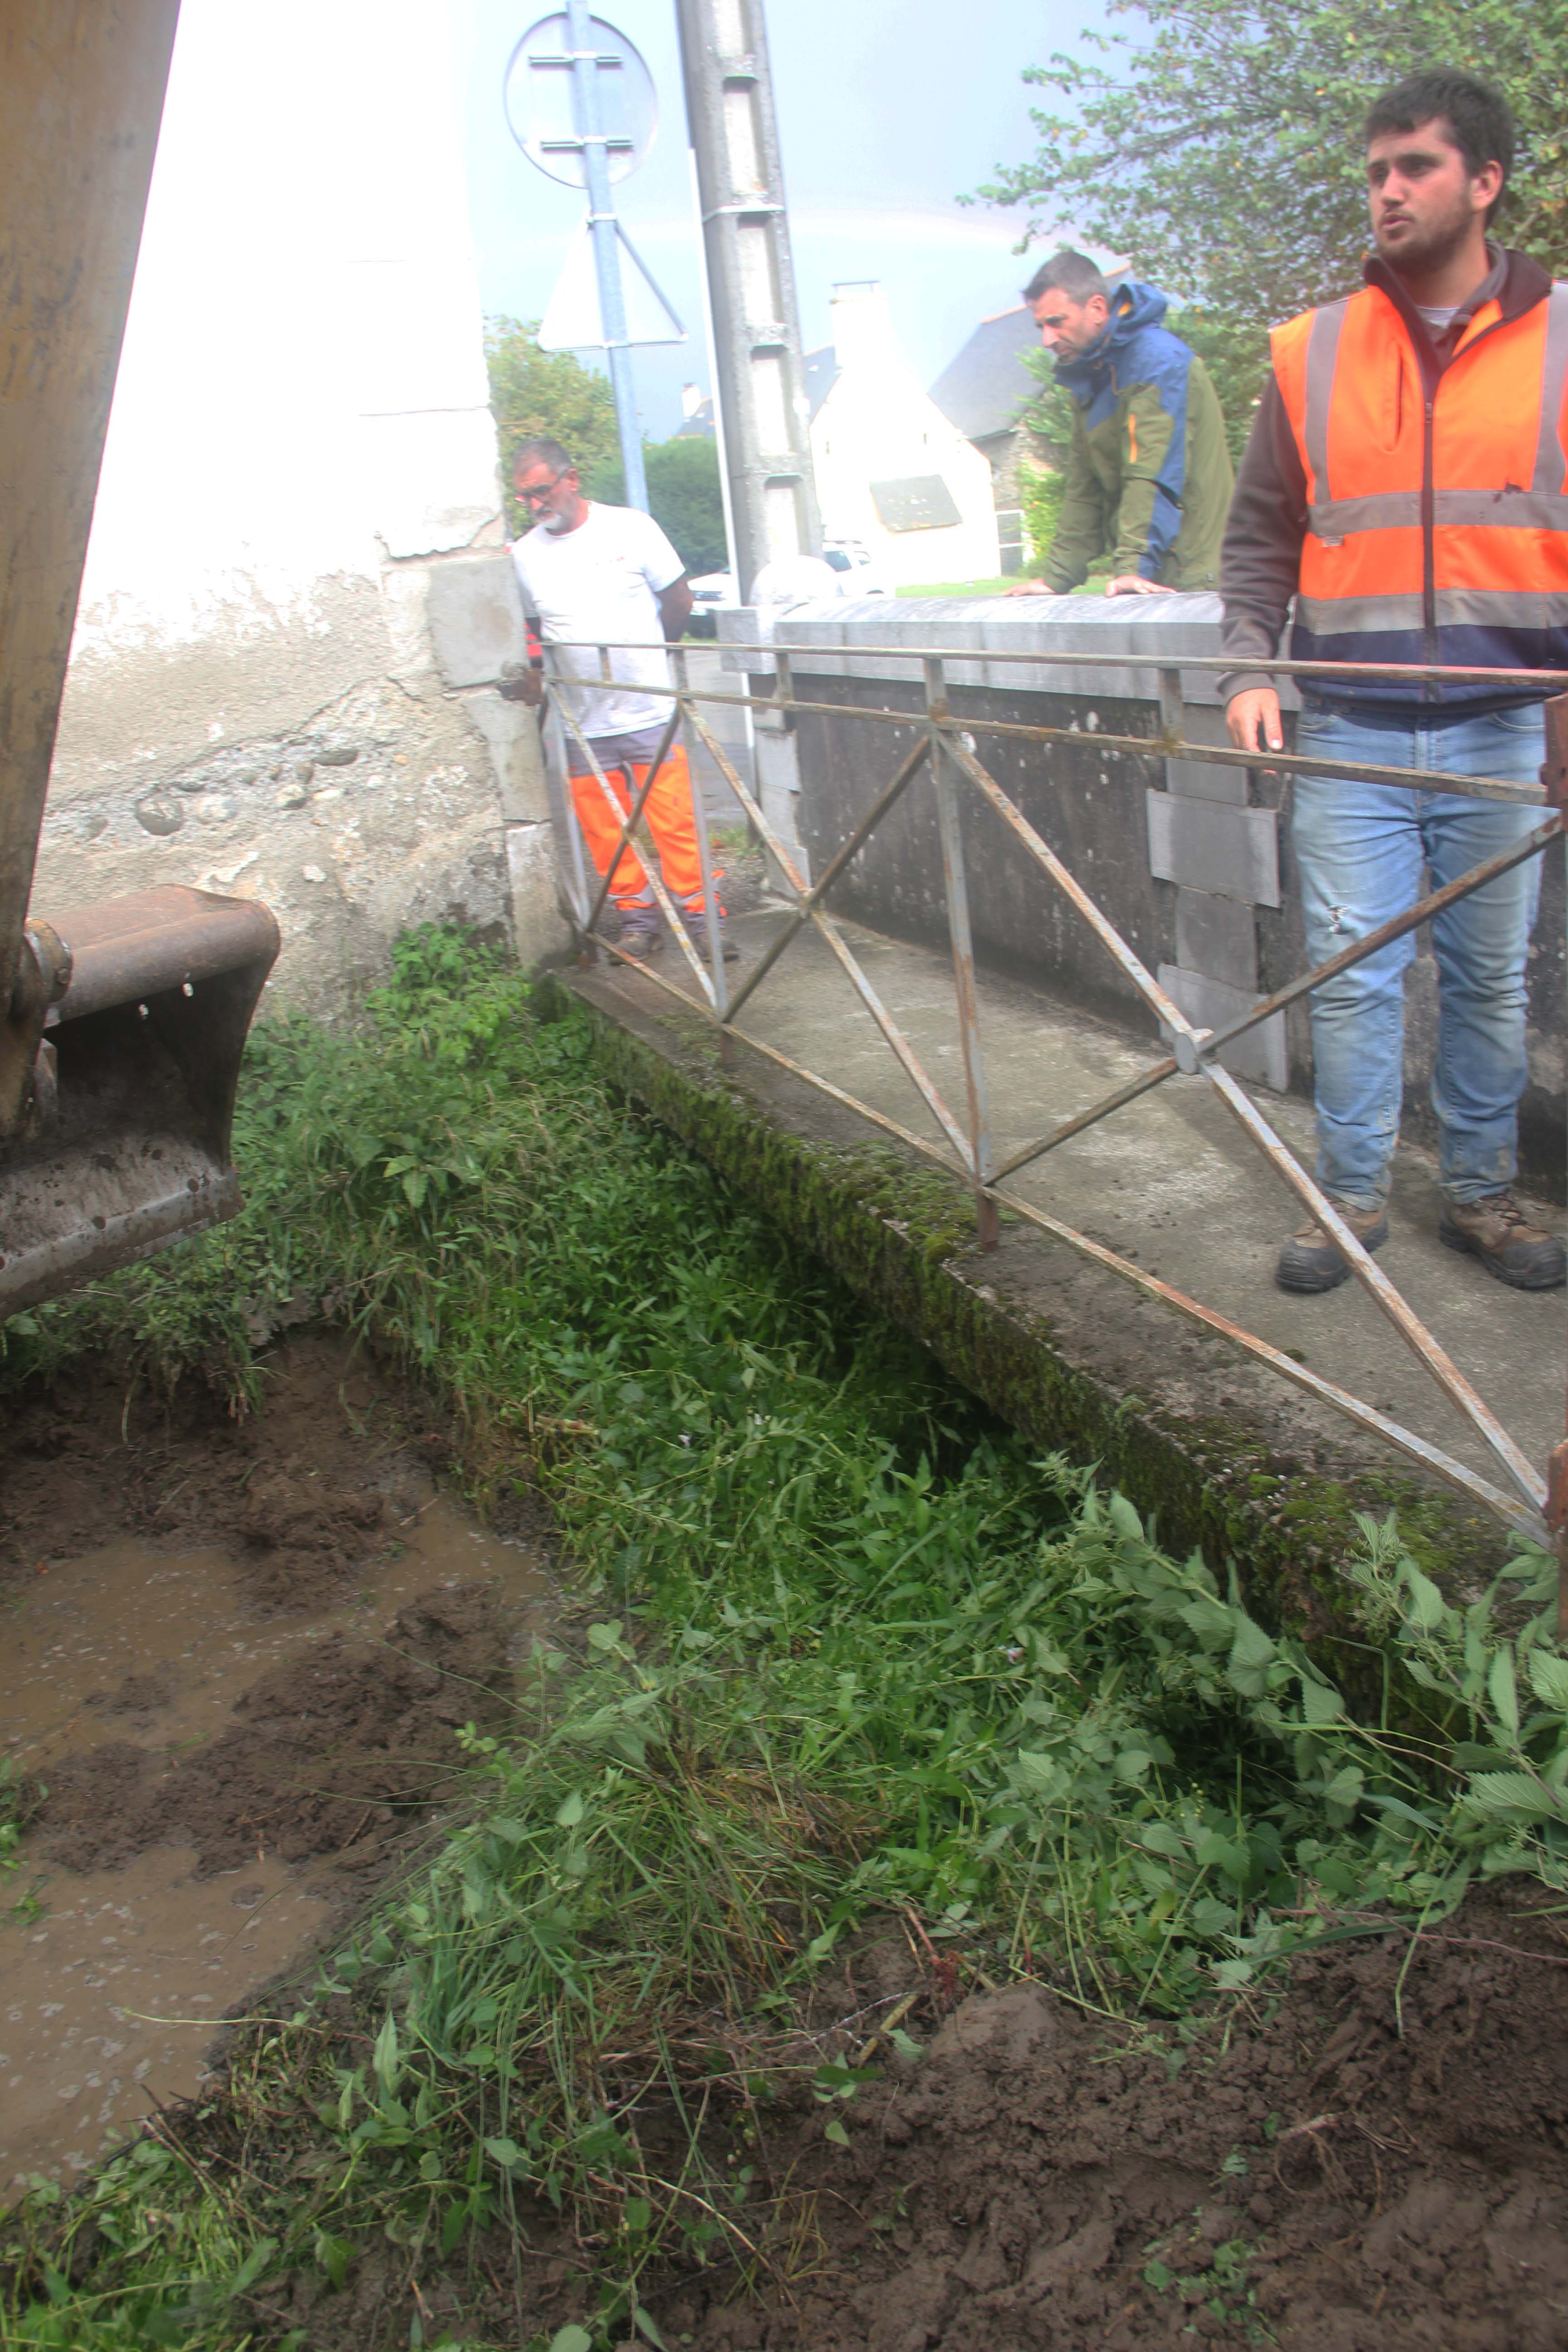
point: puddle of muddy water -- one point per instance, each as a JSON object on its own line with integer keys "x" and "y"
{"x": 111, "y": 1992}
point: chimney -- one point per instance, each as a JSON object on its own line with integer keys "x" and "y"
{"x": 863, "y": 327}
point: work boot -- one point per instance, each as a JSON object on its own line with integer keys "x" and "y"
{"x": 641, "y": 932}
{"x": 1495, "y": 1230}
{"x": 697, "y": 932}
{"x": 1310, "y": 1260}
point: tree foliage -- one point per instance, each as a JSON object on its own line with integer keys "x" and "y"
{"x": 1223, "y": 154}
{"x": 683, "y": 495}
{"x": 534, "y": 393}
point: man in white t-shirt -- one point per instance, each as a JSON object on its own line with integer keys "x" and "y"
{"x": 595, "y": 576}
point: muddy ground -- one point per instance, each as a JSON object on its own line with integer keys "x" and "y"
{"x": 330, "y": 1751}
{"x": 1372, "y": 2155}
{"x": 1335, "y": 2174}
{"x": 234, "y": 1657}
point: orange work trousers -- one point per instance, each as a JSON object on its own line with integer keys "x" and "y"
{"x": 668, "y": 816}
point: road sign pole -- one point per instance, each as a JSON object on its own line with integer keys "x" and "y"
{"x": 606, "y": 246}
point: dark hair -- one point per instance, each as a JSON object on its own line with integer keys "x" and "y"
{"x": 1072, "y": 274}
{"x": 541, "y": 451}
{"x": 1477, "y": 118}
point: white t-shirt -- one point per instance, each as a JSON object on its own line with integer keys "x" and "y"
{"x": 599, "y": 582}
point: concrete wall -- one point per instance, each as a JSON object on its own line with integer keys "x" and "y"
{"x": 1189, "y": 860}
{"x": 297, "y": 573}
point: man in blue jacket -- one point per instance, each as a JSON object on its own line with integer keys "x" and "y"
{"x": 1149, "y": 475}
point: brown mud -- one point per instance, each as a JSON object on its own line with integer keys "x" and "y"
{"x": 1369, "y": 2164}
{"x": 240, "y": 1682}
{"x": 1371, "y": 2155}
{"x": 235, "y": 1659}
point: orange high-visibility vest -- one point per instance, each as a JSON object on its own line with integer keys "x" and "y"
{"x": 1437, "y": 522}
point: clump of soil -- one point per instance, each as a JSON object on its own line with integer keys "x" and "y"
{"x": 321, "y": 1755}
{"x": 1374, "y": 2158}
{"x": 301, "y": 1536}
{"x": 1380, "y": 2164}
{"x": 306, "y": 1490}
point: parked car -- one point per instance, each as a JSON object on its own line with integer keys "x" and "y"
{"x": 708, "y": 591}
{"x": 860, "y": 575}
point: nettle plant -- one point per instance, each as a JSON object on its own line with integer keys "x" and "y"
{"x": 1360, "y": 1814}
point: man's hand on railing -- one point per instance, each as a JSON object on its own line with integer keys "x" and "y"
{"x": 520, "y": 682}
{"x": 1253, "y": 718}
{"x": 1132, "y": 583}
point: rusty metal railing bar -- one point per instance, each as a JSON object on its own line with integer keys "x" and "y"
{"x": 1104, "y": 930}
{"x": 906, "y": 1058}
{"x": 1423, "y": 1346}
{"x": 1156, "y": 747}
{"x": 814, "y": 898}
{"x": 1193, "y": 1046}
{"x": 634, "y": 817}
{"x": 650, "y": 864}
{"x": 1216, "y": 1039}
{"x": 1163, "y": 745}
{"x": 1550, "y": 681}
{"x": 1411, "y": 1329}
{"x": 712, "y": 920}
{"x": 891, "y": 1125}
{"x": 962, "y": 941}
{"x": 1444, "y": 1466}
{"x": 1301, "y": 1375}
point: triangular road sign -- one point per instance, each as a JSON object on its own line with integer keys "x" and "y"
{"x": 572, "y": 320}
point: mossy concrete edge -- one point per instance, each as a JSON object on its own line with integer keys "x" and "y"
{"x": 901, "y": 1233}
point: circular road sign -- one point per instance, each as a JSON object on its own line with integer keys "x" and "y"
{"x": 541, "y": 111}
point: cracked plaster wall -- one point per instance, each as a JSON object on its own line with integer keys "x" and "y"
{"x": 297, "y": 576}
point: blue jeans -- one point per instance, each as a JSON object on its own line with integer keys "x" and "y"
{"x": 1361, "y": 849}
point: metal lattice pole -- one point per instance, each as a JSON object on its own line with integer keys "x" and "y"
{"x": 761, "y": 389}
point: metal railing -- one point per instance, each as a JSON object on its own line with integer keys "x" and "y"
{"x": 1530, "y": 1504}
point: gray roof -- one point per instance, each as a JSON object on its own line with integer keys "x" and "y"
{"x": 984, "y": 388}
{"x": 821, "y": 374}
{"x": 698, "y": 425}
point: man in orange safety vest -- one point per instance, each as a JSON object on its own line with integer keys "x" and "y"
{"x": 1407, "y": 483}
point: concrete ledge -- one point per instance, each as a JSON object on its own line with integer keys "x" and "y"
{"x": 1214, "y": 1449}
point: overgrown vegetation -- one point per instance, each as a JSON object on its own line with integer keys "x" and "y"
{"x": 843, "y": 1646}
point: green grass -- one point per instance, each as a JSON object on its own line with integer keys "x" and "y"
{"x": 842, "y": 1645}
{"x": 1094, "y": 586}
{"x": 997, "y": 587}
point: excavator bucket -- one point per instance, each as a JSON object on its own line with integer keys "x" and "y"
{"x": 125, "y": 1142}
{"x": 121, "y": 1025}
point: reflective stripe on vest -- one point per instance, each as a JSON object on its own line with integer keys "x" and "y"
{"x": 1496, "y": 557}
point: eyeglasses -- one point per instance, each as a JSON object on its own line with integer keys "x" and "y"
{"x": 532, "y": 498}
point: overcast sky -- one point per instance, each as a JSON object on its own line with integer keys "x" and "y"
{"x": 887, "y": 111}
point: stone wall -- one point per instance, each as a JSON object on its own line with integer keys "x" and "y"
{"x": 1190, "y": 859}
{"x": 357, "y": 783}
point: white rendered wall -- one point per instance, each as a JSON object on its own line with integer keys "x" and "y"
{"x": 299, "y": 440}
{"x": 879, "y": 424}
